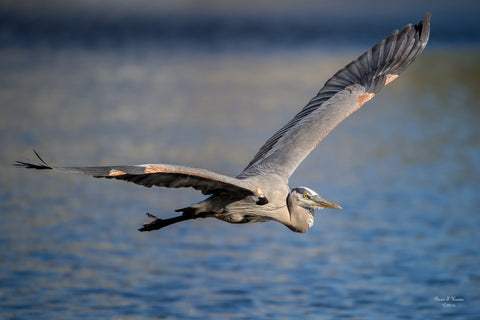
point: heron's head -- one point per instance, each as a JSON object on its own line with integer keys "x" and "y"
{"x": 309, "y": 199}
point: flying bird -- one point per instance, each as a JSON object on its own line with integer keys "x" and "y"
{"x": 261, "y": 192}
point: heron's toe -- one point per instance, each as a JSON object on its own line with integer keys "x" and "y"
{"x": 151, "y": 216}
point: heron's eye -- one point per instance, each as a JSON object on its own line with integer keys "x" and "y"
{"x": 305, "y": 196}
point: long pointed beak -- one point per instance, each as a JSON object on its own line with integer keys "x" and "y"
{"x": 321, "y": 202}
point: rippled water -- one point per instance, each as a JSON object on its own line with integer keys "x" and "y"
{"x": 405, "y": 168}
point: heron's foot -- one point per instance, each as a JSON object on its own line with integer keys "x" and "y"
{"x": 156, "y": 224}
{"x": 151, "y": 216}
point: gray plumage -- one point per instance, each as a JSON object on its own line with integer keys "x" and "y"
{"x": 260, "y": 192}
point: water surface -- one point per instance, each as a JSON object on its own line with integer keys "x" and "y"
{"x": 405, "y": 168}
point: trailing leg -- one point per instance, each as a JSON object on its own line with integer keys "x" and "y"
{"x": 158, "y": 223}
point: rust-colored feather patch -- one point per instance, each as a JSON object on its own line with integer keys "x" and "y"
{"x": 365, "y": 97}
{"x": 260, "y": 192}
{"x": 152, "y": 168}
{"x": 115, "y": 172}
{"x": 390, "y": 78}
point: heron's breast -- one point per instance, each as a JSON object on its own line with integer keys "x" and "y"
{"x": 239, "y": 218}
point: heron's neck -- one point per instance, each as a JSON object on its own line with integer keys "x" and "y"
{"x": 301, "y": 219}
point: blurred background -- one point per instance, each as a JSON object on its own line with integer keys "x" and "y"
{"x": 204, "y": 84}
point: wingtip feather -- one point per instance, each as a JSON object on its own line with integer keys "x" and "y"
{"x": 425, "y": 27}
{"x": 30, "y": 165}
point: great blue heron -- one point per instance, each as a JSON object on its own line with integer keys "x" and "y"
{"x": 261, "y": 192}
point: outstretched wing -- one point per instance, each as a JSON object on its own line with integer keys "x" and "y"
{"x": 161, "y": 175}
{"x": 341, "y": 95}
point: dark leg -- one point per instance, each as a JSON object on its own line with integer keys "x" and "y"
{"x": 158, "y": 223}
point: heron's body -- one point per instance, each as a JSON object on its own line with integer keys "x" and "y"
{"x": 261, "y": 192}
{"x": 249, "y": 209}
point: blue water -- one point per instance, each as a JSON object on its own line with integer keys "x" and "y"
{"x": 405, "y": 168}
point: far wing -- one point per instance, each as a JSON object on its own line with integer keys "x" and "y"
{"x": 341, "y": 95}
{"x": 162, "y": 175}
